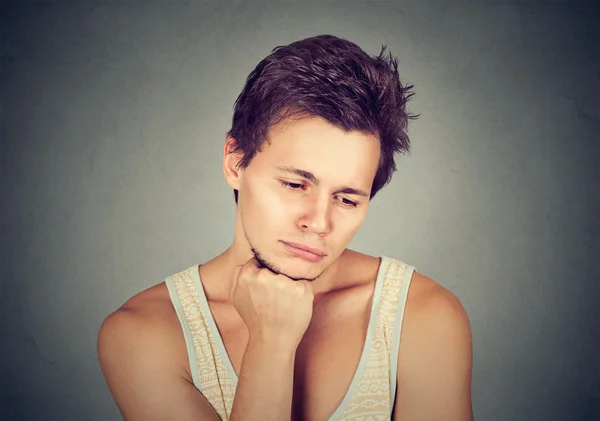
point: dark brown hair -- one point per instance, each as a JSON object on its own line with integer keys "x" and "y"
{"x": 334, "y": 79}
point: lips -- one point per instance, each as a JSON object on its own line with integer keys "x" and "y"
{"x": 312, "y": 250}
{"x": 305, "y": 252}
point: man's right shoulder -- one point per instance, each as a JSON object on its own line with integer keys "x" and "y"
{"x": 146, "y": 324}
{"x": 143, "y": 356}
{"x": 148, "y": 309}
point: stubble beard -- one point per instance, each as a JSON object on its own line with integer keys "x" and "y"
{"x": 264, "y": 262}
{"x": 274, "y": 268}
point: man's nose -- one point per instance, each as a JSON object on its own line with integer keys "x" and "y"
{"x": 317, "y": 215}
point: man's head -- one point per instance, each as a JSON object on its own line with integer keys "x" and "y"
{"x": 315, "y": 131}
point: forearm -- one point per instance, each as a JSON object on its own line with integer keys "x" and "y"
{"x": 265, "y": 386}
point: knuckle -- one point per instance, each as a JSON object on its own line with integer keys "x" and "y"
{"x": 299, "y": 290}
{"x": 263, "y": 275}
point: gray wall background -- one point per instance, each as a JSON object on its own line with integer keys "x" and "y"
{"x": 113, "y": 120}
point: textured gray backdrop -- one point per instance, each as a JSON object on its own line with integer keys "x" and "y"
{"x": 113, "y": 119}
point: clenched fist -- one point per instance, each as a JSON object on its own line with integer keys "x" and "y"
{"x": 275, "y": 308}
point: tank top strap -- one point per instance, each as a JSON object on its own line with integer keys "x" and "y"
{"x": 207, "y": 365}
{"x": 391, "y": 315}
{"x": 374, "y": 396}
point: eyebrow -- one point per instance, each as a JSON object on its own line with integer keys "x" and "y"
{"x": 307, "y": 175}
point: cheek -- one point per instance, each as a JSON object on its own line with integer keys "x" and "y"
{"x": 263, "y": 203}
{"x": 352, "y": 228}
{"x": 352, "y": 224}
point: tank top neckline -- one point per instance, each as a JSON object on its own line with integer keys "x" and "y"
{"x": 367, "y": 344}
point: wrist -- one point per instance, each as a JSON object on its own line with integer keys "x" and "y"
{"x": 277, "y": 346}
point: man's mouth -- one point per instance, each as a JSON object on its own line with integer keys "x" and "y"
{"x": 306, "y": 252}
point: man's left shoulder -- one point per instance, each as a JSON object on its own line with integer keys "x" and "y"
{"x": 435, "y": 356}
{"x": 435, "y": 331}
{"x": 429, "y": 302}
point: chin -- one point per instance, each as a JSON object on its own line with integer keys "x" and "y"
{"x": 292, "y": 267}
{"x": 297, "y": 270}
{"x": 301, "y": 271}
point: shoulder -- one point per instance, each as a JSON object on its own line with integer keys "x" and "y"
{"x": 435, "y": 357}
{"x": 145, "y": 325}
{"x": 434, "y": 319}
{"x": 150, "y": 309}
{"x": 430, "y": 303}
{"x": 143, "y": 357}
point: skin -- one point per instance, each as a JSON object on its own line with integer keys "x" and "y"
{"x": 300, "y": 211}
{"x": 292, "y": 365}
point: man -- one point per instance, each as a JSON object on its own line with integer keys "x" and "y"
{"x": 287, "y": 323}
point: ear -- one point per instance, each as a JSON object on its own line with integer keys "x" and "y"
{"x": 230, "y": 163}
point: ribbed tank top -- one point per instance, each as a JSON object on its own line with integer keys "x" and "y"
{"x": 372, "y": 390}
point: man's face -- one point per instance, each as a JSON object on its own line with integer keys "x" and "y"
{"x": 310, "y": 186}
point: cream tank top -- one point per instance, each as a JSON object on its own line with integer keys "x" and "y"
{"x": 372, "y": 390}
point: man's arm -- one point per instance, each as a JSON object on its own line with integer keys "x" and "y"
{"x": 435, "y": 358}
{"x": 145, "y": 374}
{"x": 144, "y": 371}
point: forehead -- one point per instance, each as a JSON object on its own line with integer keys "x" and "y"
{"x": 316, "y": 145}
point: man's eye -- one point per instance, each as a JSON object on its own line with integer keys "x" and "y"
{"x": 291, "y": 186}
{"x": 349, "y": 202}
